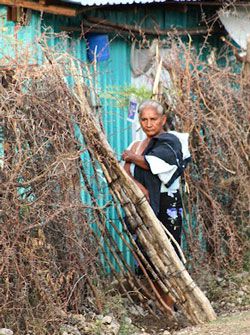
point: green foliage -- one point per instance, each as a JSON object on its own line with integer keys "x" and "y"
{"x": 121, "y": 95}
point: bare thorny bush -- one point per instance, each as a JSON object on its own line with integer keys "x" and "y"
{"x": 49, "y": 258}
{"x": 212, "y": 103}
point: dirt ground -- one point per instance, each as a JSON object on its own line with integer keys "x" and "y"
{"x": 234, "y": 324}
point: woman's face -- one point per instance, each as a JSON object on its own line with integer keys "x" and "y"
{"x": 152, "y": 122}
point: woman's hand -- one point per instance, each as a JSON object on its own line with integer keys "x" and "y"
{"x": 128, "y": 156}
{"x": 143, "y": 189}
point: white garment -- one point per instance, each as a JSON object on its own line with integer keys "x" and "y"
{"x": 183, "y": 138}
{"x": 165, "y": 172}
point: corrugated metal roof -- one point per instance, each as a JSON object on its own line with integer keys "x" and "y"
{"x": 122, "y": 2}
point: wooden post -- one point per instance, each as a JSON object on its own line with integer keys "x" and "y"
{"x": 246, "y": 68}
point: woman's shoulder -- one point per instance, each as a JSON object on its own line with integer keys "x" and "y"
{"x": 168, "y": 137}
{"x": 134, "y": 145}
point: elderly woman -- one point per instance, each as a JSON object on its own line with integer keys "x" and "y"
{"x": 156, "y": 163}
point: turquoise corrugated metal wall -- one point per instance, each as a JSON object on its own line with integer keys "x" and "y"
{"x": 112, "y": 73}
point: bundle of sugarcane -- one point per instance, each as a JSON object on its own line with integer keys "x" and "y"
{"x": 169, "y": 272}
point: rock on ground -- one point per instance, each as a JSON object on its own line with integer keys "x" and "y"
{"x": 6, "y": 331}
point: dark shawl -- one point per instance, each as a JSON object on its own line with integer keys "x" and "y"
{"x": 167, "y": 147}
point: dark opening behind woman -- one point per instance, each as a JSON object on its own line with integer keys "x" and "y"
{"x": 156, "y": 164}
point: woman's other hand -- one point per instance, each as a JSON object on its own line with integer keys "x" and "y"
{"x": 144, "y": 190}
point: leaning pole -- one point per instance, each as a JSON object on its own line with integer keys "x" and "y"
{"x": 151, "y": 235}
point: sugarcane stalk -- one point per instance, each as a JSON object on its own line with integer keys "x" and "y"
{"x": 101, "y": 223}
{"x": 196, "y": 306}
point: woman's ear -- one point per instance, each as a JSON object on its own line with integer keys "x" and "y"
{"x": 164, "y": 119}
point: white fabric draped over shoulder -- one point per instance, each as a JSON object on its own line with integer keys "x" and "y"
{"x": 164, "y": 170}
{"x": 183, "y": 137}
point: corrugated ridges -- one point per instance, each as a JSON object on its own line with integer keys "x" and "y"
{"x": 122, "y": 2}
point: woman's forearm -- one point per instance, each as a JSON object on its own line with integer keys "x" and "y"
{"x": 140, "y": 161}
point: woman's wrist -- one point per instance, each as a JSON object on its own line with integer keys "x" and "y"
{"x": 133, "y": 158}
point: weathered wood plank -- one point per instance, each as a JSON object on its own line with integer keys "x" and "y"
{"x": 52, "y": 9}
